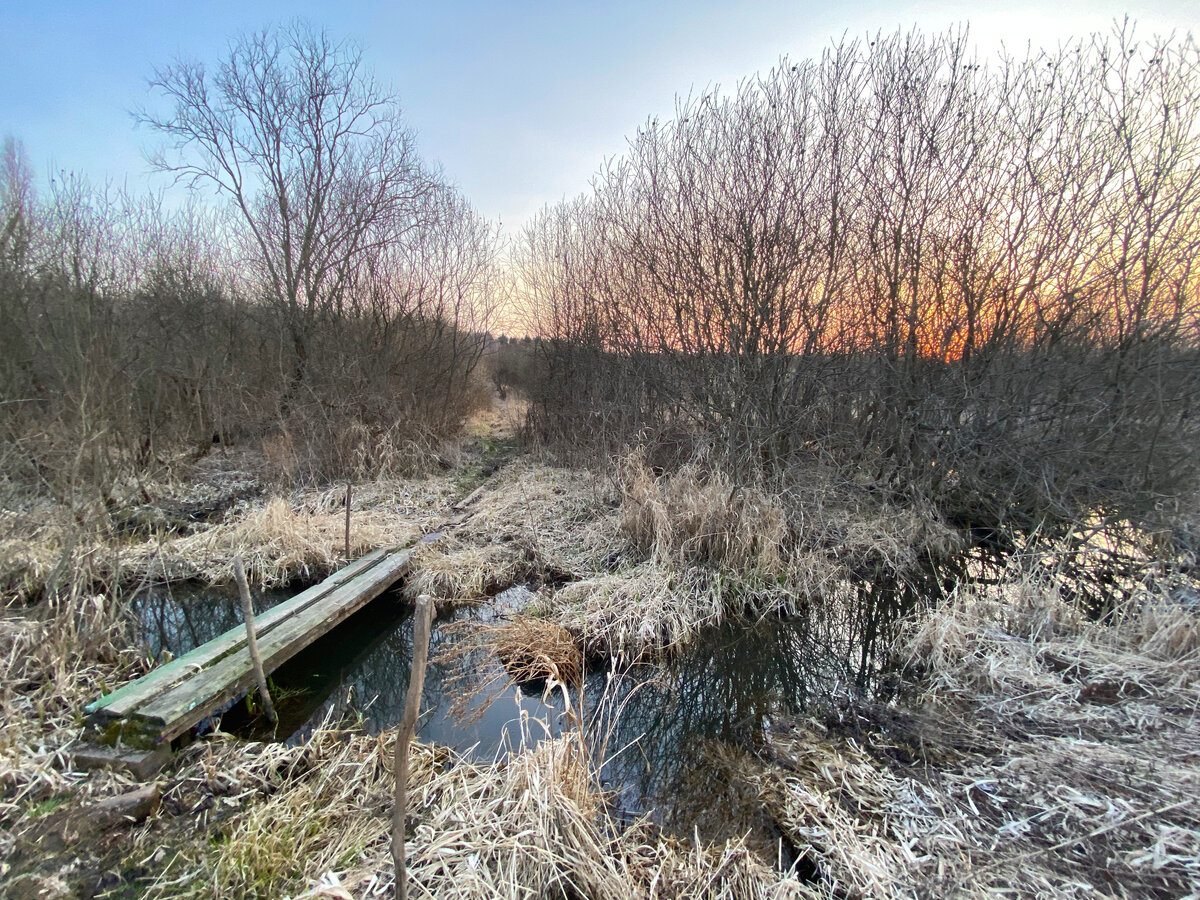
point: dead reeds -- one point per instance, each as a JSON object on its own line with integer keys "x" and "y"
{"x": 1043, "y": 755}
{"x": 536, "y": 650}
{"x": 281, "y": 541}
{"x": 696, "y": 517}
{"x": 1031, "y": 751}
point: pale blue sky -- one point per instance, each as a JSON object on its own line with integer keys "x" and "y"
{"x": 519, "y": 102}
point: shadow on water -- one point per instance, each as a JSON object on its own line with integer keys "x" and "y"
{"x": 656, "y": 727}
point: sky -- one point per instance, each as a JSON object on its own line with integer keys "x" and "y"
{"x": 519, "y": 102}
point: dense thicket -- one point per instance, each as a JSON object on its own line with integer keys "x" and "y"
{"x": 944, "y": 279}
{"x": 328, "y": 298}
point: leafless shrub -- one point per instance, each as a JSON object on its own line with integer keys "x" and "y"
{"x": 338, "y": 302}
{"x": 959, "y": 283}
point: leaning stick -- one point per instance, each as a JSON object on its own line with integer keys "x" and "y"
{"x": 422, "y": 618}
{"x": 239, "y": 574}
{"x": 347, "y": 521}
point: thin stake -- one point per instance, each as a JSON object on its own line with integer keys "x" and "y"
{"x": 347, "y": 521}
{"x": 422, "y": 618}
{"x": 239, "y": 574}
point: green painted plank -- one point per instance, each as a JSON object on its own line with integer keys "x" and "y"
{"x": 192, "y": 701}
{"x": 125, "y": 700}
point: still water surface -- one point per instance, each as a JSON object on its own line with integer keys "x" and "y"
{"x": 653, "y": 724}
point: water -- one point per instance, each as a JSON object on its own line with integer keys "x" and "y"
{"x": 180, "y": 617}
{"x": 654, "y": 726}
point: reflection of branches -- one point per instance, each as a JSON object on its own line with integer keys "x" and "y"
{"x": 643, "y": 726}
{"x": 181, "y": 617}
{"x": 726, "y": 686}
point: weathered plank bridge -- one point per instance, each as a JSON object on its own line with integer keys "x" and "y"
{"x": 163, "y": 704}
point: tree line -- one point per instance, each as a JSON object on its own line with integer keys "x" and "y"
{"x": 937, "y": 277}
{"x": 324, "y": 288}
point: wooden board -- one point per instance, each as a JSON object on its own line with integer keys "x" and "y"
{"x": 194, "y": 700}
{"x": 125, "y": 700}
{"x": 172, "y": 698}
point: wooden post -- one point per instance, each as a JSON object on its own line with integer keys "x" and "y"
{"x": 347, "y": 521}
{"x": 422, "y": 618}
{"x": 239, "y": 574}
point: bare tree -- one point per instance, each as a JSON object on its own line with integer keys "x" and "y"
{"x": 311, "y": 152}
{"x": 17, "y": 199}
{"x": 965, "y": 282}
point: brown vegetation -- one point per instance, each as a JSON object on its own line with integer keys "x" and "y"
{"x": 894, "y": 345}
{"x": 536, "y": 650}
{"x": 334, "y": 310}
{"x": 962, "y": 284}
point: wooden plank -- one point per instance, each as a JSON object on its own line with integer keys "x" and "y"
{"x": 194, "y": 700}
{"x": 123, "y": 701}
{"x": 143, "y": 765}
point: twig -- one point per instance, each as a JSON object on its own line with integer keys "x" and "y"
{"x": 239, "y": 574}
{"x": 347, "y": 521}
{"x": 422, "y": 618}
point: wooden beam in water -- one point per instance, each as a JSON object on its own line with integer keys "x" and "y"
{"x": 193, "y": 701}
{"x": 125, "y": 700}
{"x": 161, "y": 706}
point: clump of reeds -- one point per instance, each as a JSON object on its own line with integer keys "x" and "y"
{"x": 536, "y": 827}
{"x": 695, "y": 517}
{"x": 468, "y": 573}
{"x": 646, "y": 611}
{"x": 534, "y": 649}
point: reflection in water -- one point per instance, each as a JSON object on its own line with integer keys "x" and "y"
{"x": 180, "y": 617}
{"x": 362, "y": 669}
{"x": 656, "y": 728}
{"x": 728, "y": 686}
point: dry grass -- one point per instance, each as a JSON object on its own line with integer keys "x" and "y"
{"x": 283, "y": 540}
{"x": 49, "y": 548}
{"x": 1036, "y": 754}
{"x": 698, "y": 549}
{"x": 535, "y": 649}
{"x": 640, "y": 572}
{"x": 25, "y": 565}
{"x": 646, "y": 611}
{"x": 51, "y": 664}
{"x": 1043, "y": 756}
{"x": 465, "y": 574}
{"x": 296, "y": 810}
{"x": 531, "y": 828}
{"x": 260, "y": 820}
{"x": 690, "y": 517}
{"x": 529, "y": 523}
{"x": 650, "y": 609}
